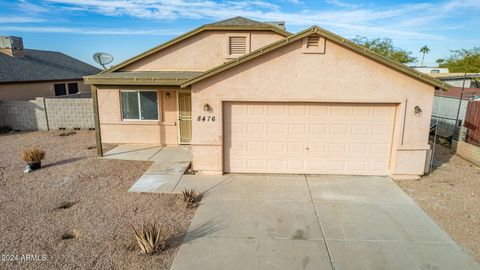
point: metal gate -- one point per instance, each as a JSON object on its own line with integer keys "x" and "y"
{"x": 184, "y": 117}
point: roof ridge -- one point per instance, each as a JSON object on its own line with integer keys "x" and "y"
{"x": 237, "y": 21}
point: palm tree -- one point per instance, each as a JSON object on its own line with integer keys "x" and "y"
{"x": 440, "y": 61}
{"x": 424, "y": 50}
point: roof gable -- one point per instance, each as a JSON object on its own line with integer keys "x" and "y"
{"x": 237, "y": 24}
{"x": 333, "y": 37}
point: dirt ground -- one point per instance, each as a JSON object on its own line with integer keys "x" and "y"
{"x": 451, "y": 196}
{"x": 31, "y": 222}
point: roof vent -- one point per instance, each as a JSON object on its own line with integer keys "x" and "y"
{"x": 12, "y": 46}
{"x": 314, "y": 44}
{"x": 313, "y": 41}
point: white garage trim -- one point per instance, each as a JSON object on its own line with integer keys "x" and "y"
{"x": 308, "y": 138}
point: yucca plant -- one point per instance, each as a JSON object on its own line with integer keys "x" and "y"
{"x": 191, "y": 197}
{"x": 33, "y": 156}
{"x": 150, "y": 237}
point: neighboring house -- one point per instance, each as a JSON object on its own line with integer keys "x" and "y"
{"x": 250, "y": 97}
{"x": 431, "y": 70}
{"x": 26, "y": 74}
{"x": 472, "y": 80}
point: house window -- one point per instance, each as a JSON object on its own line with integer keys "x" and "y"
{"x": 60, "y": 89}
{"x": 72, "y": 88}
{"x": 313, "y": 44}
{"x": 237, "y": 45}
{"x": 139, "y": 105}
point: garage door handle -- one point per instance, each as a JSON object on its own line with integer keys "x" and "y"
{"x": 307, "y": 148}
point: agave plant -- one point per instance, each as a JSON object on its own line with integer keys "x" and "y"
{"x": 191, "y": 197}
{"x": 150, "y": 237}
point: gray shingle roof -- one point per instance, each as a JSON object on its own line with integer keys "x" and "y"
{"x": 40, "y": 65}
{"x": 237, "y": 21}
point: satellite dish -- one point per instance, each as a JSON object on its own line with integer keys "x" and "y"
{"x": 103, "y": 59}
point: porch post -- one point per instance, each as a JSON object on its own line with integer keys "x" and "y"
{"x": 98, "y": 136}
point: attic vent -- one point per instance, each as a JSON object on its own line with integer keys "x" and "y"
{"x": 237, "y": 45}
{"x": 313, "y": 44}
{"x": 313, "y": 41}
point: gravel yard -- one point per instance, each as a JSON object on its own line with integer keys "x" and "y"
{"x": 451, "y": 196}
{"x": 76, "y": 192}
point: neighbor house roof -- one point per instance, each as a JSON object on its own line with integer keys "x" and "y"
{"x": 40, "y": 65}
{"x": 237, "y": 24}
{"x": 142, "y": 77}
{"x": 455, "y": 75}
{"x": 338, "y": 39}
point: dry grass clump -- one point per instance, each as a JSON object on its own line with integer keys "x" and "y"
{"x": 33, "y": 155}
{"x": 151, "y": 237}
{"x": 191, "y": 197}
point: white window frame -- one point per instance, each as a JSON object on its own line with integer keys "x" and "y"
{"x": 227, "y": 44}
{"x": 139, "y": 107}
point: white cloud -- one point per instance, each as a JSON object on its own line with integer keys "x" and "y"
{"x": 92, "y": 31}
{"x": 339, "y": 3}
{"x": 404, "y": 21}
{"x": 19, "y": 19}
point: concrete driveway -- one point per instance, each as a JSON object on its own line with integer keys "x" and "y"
{"x": 312, "y": 222}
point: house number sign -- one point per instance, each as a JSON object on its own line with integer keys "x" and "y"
{"x": 201, "y": 118}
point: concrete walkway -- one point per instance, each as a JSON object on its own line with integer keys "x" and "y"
{"x": 169, "y": 164}
{"x": 313, "y": 222}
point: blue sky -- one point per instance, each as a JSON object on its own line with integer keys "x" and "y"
{"x": 125, "y": 28}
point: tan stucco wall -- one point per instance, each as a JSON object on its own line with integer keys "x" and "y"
{"x": 339, "y": 75}
{"x": 114, "y": 130}
{"x": 199, "y": 52}
{"x": 29, "y": 91}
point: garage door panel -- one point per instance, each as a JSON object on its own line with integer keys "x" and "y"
{"x": 308, "y": 138}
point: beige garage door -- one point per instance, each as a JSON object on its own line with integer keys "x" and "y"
{"x": 308, "y": 138}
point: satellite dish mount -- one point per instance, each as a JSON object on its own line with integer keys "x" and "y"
{"x": 103, "y": 59}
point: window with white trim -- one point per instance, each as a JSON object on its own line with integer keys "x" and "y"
{"x": 139, "y": 105}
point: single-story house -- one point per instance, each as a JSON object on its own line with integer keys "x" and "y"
{"x": 250, "y": 97}
{"x": 26, "y": 74}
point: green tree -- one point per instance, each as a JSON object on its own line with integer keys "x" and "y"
{"x": 424, "y": 50}
{"x": 384, "y": 46}
{"x": 463, "y": 60}
{"x": 440, "y": 61}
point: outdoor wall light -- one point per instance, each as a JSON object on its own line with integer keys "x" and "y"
{"x": 206, "y": 107}
{"x": 167, "y": 95}
{"x": 418, "y": 111}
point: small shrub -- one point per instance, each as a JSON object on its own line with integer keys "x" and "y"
{"x": 150, "y": 237}
{"x": 33, "y": 155}
{"x": 191, "y": 197}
